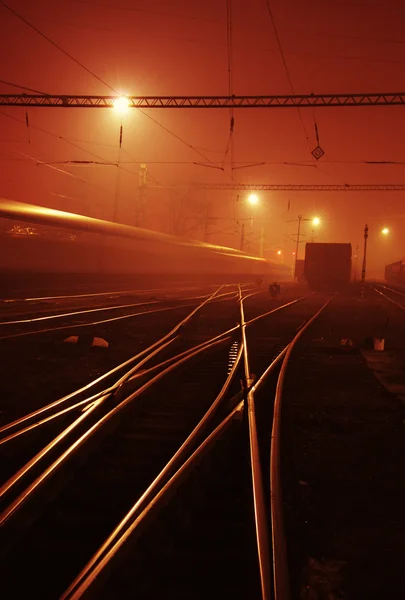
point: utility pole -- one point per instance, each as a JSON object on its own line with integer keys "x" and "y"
{"x": 140, "y": 201}
{"x": 363, "y": 271}
{"x": 118, "y": 180}
{"x": 261, "y": 242}
{"x": 206, "y": 222}
{"x": 296, "y": 247}
{"x": 242, "y": 236}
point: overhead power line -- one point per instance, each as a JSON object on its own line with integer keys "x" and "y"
{"x": 287, "y": 72}
{"x": 83, "y": 66}
{"x": 22, "y": 87}
{"x": 48, "y": 39}
{"x": 280, "y": 101}
{"x": 281, "y": 187}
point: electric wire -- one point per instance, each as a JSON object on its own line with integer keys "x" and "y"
{"x": 286, "y": 68}
{"x": 48, "y": 39}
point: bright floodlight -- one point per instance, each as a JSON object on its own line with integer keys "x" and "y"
{"x": 121, "y": 104}
{"x": 253, "y": 199}
{"x": 385, "y": 231}
{"x": 316, "y": 221}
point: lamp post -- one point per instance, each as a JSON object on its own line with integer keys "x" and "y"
{"x": 121, "y": 106}
{"x": 315, "y": 221}
{"x": 296, "y": 247}
{"x": 253, "y": 200}
{"x": 384, "y": 231}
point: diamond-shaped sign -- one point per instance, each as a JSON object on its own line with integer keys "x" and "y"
{"x": 317, "y": 153}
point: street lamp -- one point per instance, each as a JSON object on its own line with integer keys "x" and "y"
{"x": 253, "y": 199}
{"x": 384, "y": 231}
{"x": 121, "y": 105}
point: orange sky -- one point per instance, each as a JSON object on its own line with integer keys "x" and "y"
{"x": 180, "y": 48}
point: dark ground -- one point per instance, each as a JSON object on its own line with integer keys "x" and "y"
{"x": 345, "y": 459}
{"x": 344, "y": 452}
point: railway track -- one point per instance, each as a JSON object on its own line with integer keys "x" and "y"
{"x": 30, "y": 357}
{"x": 393, "y": 295}
{"x": 203, "y": 487}
{"x": 28, "y": 319}
{"x": 341, "y": 475}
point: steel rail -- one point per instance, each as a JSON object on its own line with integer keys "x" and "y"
{"x": 119, "y": 367}
{"x": 78, "y": 312}
{"x": 280, "y": 568}
{"x": 33, "y": 487}
{"x": 146, "y": 497}
{"x": 111, "y": 293}
{"x": 386, "y": 287}
{"x": 153, "y": 349}
{"x": 273, "y": 310}
{"x": 102, "y": 321}
{"x": 92, "y": 323}
{"x": 152, "y": 490}
{"x": 60, "y": 413}
{"x": 130, "y": 376}
{"x": 97, "y": 402}
{"x": 102, "y": 308}
{"x": 388, "y": 298}
{"x": 151, "y": 510}
{"x": 117, "y": 293}
{"x": 126, "y": 363}
{"x": 259, "y": 382}
{"x": 75, "y": 296}
{"x": 110, "y": 547}
{"x": 261, "y": 522}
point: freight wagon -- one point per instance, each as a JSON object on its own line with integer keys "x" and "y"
{"x": 328, "y": 266}
{"x": 395, "y": 272}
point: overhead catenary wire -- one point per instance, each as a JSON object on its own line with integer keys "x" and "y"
{"x": 71, "y": 143}
{"x": 22, "y": 87}
{"x": 19, "y": 16}
{"x": 229, "y": 145}
{"x": 48, "y": 39}
{"x": 273, "y": 22}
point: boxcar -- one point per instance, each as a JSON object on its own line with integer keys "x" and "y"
{"x": 328, "y": 266}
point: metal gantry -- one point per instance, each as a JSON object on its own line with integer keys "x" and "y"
{"x": 310, "y": 187}
{"x": 277, "y": 101}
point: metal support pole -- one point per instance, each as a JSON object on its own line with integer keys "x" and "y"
{"x": 206, "y": 222}
{"x": 297, "y": 245}
{"x": 118, "y": 180}
{"x": 117, "y": 191}
{"x": 141, "y": 196}
{"x": 363, "y": 270}
{"x": 261, "y": 242}
{"x": 242, "y": 237}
